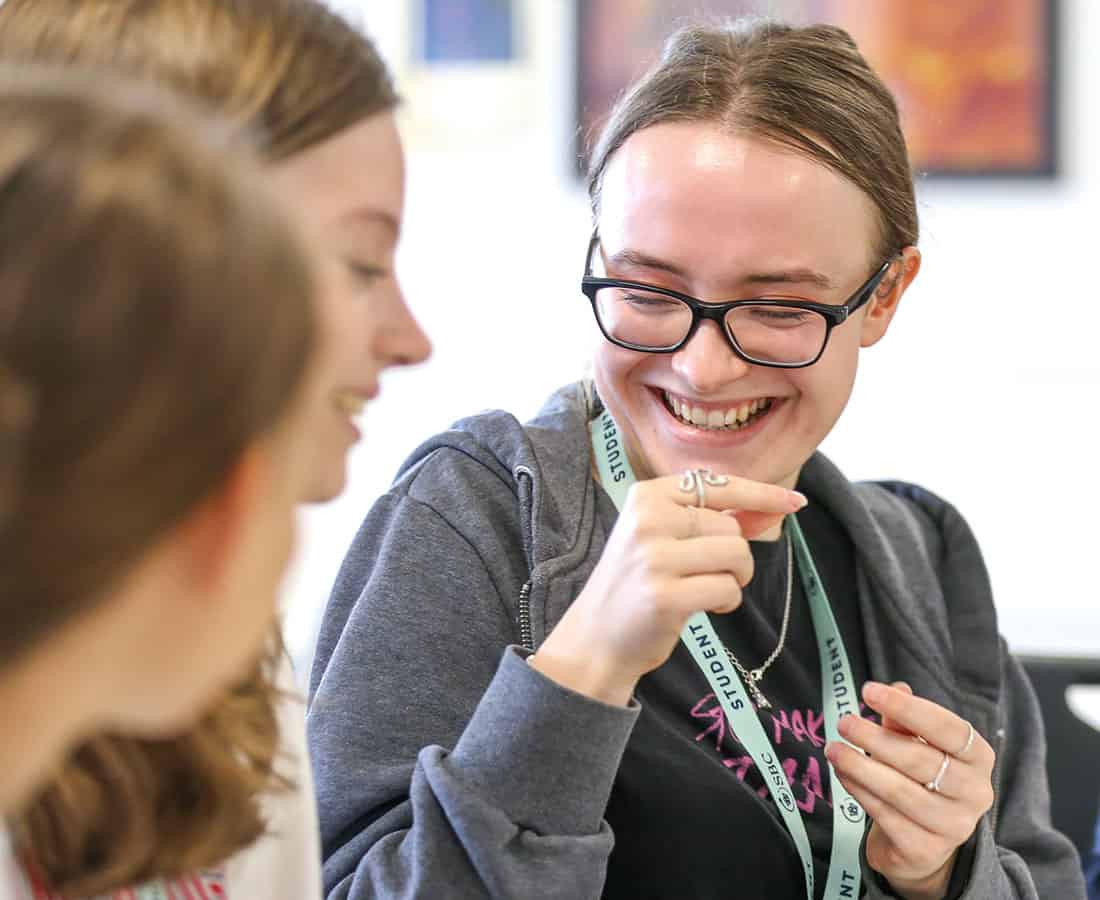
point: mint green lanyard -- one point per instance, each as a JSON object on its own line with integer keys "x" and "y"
{"x": 839, "y": 694}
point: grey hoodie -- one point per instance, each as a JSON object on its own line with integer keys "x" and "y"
{"x": 466, "y": 565}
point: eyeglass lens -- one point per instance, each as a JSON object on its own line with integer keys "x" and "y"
{"x": 779, "y": 334}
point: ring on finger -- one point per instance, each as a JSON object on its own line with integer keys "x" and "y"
{"x": 697, "y": 480}
{"x": 714, "y": 480}
{"x": 934, "y": 784}
{"x": 694, "y": 480}
{"x": 969, "y": 742}
{"x": 690, "y": 482}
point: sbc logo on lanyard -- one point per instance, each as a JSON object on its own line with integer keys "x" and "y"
{"x": 852, "y": 811}
{"x": 780, "y": 791}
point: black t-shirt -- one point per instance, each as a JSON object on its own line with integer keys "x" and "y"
{"x": 690, "y": 812}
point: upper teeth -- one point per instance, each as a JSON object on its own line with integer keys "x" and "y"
{"x": 731, "y": 417}
{"x": 350, "y": 402}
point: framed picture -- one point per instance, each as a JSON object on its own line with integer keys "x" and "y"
{"x": 467, "y": 69}
{"x": 975, "y": 80}
{"x": 466, "y": 31}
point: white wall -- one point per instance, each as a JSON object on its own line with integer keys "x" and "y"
{"x": 984, "y": 391}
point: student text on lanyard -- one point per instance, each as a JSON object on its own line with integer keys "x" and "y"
{"x": 839, "y": 696}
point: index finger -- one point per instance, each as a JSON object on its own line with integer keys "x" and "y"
{"x": 731, "y": 492}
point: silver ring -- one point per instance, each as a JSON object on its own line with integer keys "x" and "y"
{"x": 697, "y": 480}
{"x": 692, "y": 481}
{"x": 969, "y": 742}
{"x": 934, "y": 784}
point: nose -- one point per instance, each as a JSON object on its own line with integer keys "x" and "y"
{"x": 400, "y": 341}
{"x": 707, "y": 362}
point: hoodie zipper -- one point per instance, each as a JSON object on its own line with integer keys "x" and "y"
{"x": 525, "y": 637}
{"x": 525, "y": 484}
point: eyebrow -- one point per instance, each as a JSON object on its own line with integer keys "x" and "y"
{"x": 792, "y": 276}
{"x": 801, "y": 275}
{"x": 369, "y": 216}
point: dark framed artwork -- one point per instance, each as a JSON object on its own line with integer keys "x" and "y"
{"x": 976, "y": 80}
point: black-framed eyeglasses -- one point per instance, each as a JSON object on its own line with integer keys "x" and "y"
{"x": 786, "y": 334}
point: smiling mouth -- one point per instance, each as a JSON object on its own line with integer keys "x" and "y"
{"x": 350, "y": 403}
{"x": 731, "y": 418}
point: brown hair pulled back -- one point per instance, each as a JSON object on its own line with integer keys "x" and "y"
{"x": 147, "y": 285}
{"x": 807, "y": 89}
{"x": 296, "y": 74}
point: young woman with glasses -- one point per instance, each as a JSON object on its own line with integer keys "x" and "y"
{"x": 653, "y": 643}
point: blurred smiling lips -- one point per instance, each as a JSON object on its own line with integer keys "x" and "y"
{"x": 740, "y": 417}
{"x": 351, "y": 402}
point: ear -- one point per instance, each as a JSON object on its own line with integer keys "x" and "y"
{"x": 212, "y": 534}
{"x": 887, "y": 296}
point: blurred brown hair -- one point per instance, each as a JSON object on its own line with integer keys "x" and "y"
{"x": 296, "y": 74}
{"x": 806, "y": 89}
{"x": 15, "y": 409}
{"x": 293, "y": 71}
{"x": 147, "y": 286}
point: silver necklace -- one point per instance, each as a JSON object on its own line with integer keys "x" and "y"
{"x": 752, "y": 678}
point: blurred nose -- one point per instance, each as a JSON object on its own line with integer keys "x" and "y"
{"x": 707, "y": 363}
{"x": 400, "y": 341}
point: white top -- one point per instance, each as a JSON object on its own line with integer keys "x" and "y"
{"x": 13, "y": 886}
{"x": 286, "y": 864}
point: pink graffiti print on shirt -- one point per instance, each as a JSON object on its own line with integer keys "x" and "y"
{"x": 796, "y": 726}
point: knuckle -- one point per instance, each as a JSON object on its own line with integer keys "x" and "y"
{"x": 722, "y": 595}
{"x": 732, "y": 596}
{"x": 990, "y": 755}
{"x": 639, "y": 496}
{"x": 742, "y": 568}
{"x": 961, "y": 827}
{"x": 650, "y": 604}
{"x": 645, "y": 523}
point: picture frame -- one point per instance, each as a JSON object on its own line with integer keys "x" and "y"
{"x": 976, "y": 82}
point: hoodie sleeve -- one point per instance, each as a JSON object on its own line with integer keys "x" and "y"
{"x": 1019, "y": 853}
{"x": 446, "y": 766}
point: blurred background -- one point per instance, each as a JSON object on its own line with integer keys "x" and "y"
{"x": 984, "y": 390}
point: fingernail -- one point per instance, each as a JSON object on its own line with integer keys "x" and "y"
{"x": 831, "y": 751}
{"x": 799, "y": 499}
{"x": 732, "y": 513}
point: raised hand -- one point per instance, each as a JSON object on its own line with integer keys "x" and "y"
{"x": 925, "y": 782}
{"x": 665, "y": 560}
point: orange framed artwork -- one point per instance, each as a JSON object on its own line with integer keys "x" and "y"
{"x": 975, "y": 79}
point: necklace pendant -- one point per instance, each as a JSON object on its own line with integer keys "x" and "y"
{"x": 762, "y": 701}
{"x": 757, "y": 674}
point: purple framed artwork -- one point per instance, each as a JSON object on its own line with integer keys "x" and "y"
{"x": 465, "y": 31}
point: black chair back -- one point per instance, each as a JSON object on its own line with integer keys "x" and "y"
{"x": 1073, "y": 746}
